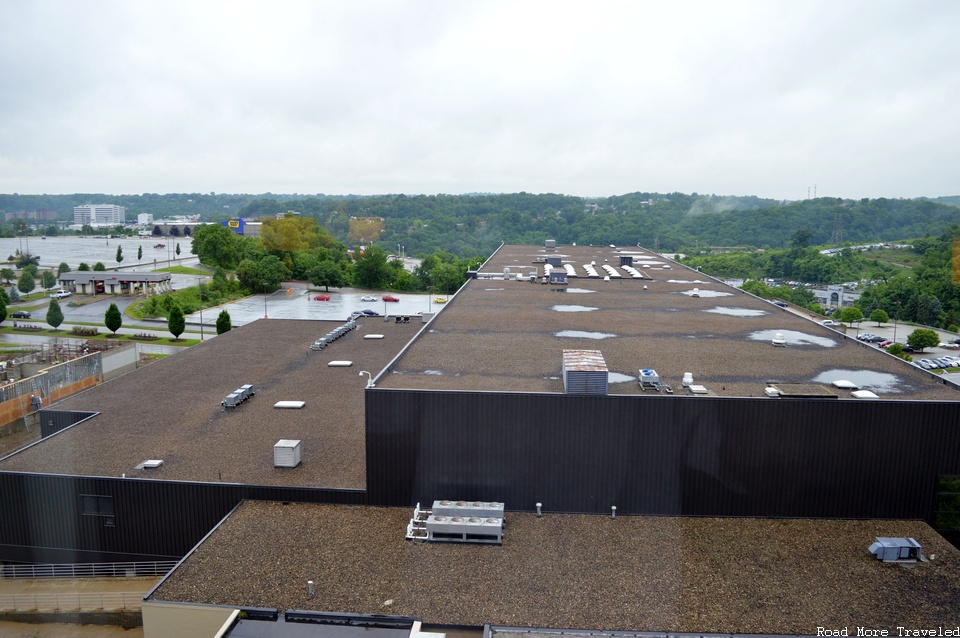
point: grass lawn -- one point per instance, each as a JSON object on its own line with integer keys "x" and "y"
{"x": 184, "y": 270}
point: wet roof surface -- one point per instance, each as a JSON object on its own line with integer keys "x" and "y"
{"x": 563, "y": 570}
{"x": 504, "y": 335}
{"x": 171, "y": 411}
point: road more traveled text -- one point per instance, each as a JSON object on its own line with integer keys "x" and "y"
{"x": 934, "y": 632}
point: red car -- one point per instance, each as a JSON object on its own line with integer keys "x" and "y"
{"x": 322, "y": 298}
{"x": 389, "y": 298}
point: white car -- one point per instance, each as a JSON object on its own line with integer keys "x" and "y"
{"x": 829, "y": 322}
{"x": 368, "y": 298}
{"x": 61, "y": 294}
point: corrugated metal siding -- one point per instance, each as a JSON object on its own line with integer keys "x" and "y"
{"x": 153, "y": 520}
{"x": 53, "y": 421}
{"x": 661, "y": 455}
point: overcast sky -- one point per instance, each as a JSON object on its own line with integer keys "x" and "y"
{"x": 768, "y": 98}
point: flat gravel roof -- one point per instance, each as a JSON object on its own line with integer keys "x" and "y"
{"x": 759, "y": 576}
{"x": 509, "y": 335}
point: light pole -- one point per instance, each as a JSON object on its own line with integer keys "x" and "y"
{"x": 200, "y": 292}
{"x": 264, "y": 301}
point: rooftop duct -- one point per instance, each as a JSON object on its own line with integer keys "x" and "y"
{"x": 584, "y": 372}
{"x": 896, "y": 549}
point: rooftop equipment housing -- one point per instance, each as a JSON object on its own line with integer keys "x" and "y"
{"x": 890, "y": 549}
{"x": 626, "y": 260}
{"x": 286, "y": 453}
{"x": 584, "y": 372}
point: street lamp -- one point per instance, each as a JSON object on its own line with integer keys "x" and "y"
{"x": 200, "y": 292}
{"x": 264, "y": 301}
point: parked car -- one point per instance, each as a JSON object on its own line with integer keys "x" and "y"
{"x": 61, "y": 294}
{"x": 874, "y": 339}
{"x": 926, "y": 364}
{"x": 885, "y": 343}
{"x": 368, "y": 298}
{"x": 945, "y": 362}
{"x": 370, "y": 313}
{"x": 829, "y": 322}
{"x": 865, "y": 336}
{"x": 322, "y": 298}
{"x": 389, "y": 298}
{"x": 20, "y": 314}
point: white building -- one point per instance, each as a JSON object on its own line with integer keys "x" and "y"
{"x": 144, "y": 219}
{"x": 99, "y": 214}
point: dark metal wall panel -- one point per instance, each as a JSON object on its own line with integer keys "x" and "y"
{"x": 152, "y": 520}
{"x": 661, "y": 455}
{"x": 53, "y": 421}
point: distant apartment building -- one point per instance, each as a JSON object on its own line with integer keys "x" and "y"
{"x": 99, "y": 214}
{"x": 145, "y": 219}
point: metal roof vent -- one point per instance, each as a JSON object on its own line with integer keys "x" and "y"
{"x": 584, "y": 372}
{"x": 150, "y": 464}
{"x": 286, "y": 453}
{"x": 779, "y": 340}
{"x": 897, "y": 550}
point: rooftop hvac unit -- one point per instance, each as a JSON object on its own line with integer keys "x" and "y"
{"x": 626, "y": 260}
{"x": 286, "y": 453}
{"x": 232, "y": 400}
{"x": 468, "y": 508}
{"x": 464, "y": 529}
{"x": 555, "y": 262}
{"x": 896, "y": 549}
{"x": 550, "y": 243}
{"x": 584, "y": 372}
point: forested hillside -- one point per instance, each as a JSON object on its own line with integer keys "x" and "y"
{"x": 468, "y": 225}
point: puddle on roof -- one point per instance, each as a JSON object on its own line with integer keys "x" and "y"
{"x": 574, "y": 308}
{"x": 706, "y": 293}
{"x": 686, "y": 281}
{"x": 494, "y": 288}
{"x": 793, "y": 338}
{"x": 737, "y": 312}
{"x": 580, "y": 290}
{"x": 619, "y": 377}
{"x": 580, "y": 334}
{"x": 868, "y": 379}
{"x": 434, "y": 373}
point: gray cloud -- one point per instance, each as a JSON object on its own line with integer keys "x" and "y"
{"x": 757, "y": 97}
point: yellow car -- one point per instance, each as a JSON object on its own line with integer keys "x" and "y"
{"x": 439, "y": 300}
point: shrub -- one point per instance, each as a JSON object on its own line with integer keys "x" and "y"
{"x": 84, "y": 331}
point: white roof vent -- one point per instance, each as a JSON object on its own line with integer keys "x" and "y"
{"x": 289, "y": 405}
{"x": 770, "y": 391}
{"x": 286, "y": 453}
{"x": 779, "y": 340}
{"x": 864, "y": 394}
{"x": 152, "y": 463}
{"x": 843, "y": 384}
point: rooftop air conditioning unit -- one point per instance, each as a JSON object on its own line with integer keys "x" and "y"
{"x": 286, "y": 453}
{"x": 896, "y": 549}
{"x": 468, "y": 508}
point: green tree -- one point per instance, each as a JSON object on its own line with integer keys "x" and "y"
{"x": 7, "y": 274}
{"x": 48, "y": 280}
{"x": 923, "y": 338}
{"x": 119, "y": 254}
{"x": 851, "y": 314}
{"x": 223, "y": 322}
{"x": 62, "y": 268}
{"x": 86, "y": 229}
{"x": 175, "y": 322}
{"x": 178, "y": 250}
{"x": 216, "y": 246}
{"x": 328, "y": 273}
{"x": 896, "y": 349}
{"x": 880, "y": 316}
{"x": 99, "y": 267}
{"x": 371, "y": 270}
{"x": 268, "y": 273}
{"x": 54, "y": 314}
{"x": 14, "y": 294}
{"x": 83, "y": 267}
{"x": 757, "y": 288}
{"x": 140, "y": 253}
{"x": 112, "y": 318}
{"x": 3, "y": 310}
{"x": 26, "y": 282}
